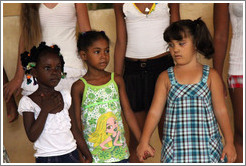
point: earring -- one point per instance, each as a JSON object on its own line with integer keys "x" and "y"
{"x": 63, "y": 75}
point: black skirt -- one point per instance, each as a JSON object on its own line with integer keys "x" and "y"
{"x": 140, "y": 79}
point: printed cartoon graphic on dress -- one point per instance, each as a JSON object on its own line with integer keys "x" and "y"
{"x": 106, "y": 139}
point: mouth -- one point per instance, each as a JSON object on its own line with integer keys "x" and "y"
{"x": 177, "y": 56}
{"x": 103, "y": 63}
{"x": 55, "y": 79}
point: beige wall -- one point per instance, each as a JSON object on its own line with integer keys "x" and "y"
{"x": 14, "y": 137}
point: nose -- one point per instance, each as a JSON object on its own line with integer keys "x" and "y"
{"x": 55, "y": 71}
{"x": 175, "y": 49}
{"x": 104, "y": 55}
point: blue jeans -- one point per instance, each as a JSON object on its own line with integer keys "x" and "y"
{"x": 72, "y": 157}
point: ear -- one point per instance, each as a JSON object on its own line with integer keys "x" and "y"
{"x": 83, "y": 55}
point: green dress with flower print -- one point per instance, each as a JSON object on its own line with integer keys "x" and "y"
{"x": 103, "y": 126}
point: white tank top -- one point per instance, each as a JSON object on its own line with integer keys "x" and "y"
{"x": 59, "y": 27}
{"x": 236, "y": 50}
{"x": 145, "y": 32}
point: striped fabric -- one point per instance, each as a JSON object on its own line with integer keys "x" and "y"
{"x": 191, "y": 133}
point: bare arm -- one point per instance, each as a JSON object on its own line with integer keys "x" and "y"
{"x": 14, "y": 85}
{"x": 128, "y": 113}
{"x": 154, "y": 115}
{"x": 83, "y": 17}
{"x": 221, "y": 115}
{"x": 174, "y": 11}
{"x": 121, "y": 39}
{"x": 34, "y": 127}
{"x": 221, "y": 31}
{"x": 75, "y": 115}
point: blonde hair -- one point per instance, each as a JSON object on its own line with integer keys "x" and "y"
{"x": 30, "y": 25}
{"x": 100, "y": 134}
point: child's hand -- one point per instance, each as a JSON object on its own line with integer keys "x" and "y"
{"x": 230, "y": 151}
{"x": 145, "y": 151}
{"x": 52, "y": 103}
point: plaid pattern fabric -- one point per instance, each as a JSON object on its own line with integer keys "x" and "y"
{"x": 191, "y": 133}
{"x": 235, "y": 81}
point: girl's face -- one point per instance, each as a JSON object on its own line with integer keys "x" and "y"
{"x": 111, "y": 125}
{"x": 48, "y": 70}
{"x": 97, "y": 55}
{"x": 183, "y": 51}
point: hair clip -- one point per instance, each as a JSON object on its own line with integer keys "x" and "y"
{"x": 30, "y": 65}
{"x": 102, "y": 32}
{"x": 52, "y": 46}
{"x": 63, "y": 75}
{"x": 28, "y": 77}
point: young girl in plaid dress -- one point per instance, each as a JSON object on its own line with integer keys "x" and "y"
{"x": 193, "y": 95}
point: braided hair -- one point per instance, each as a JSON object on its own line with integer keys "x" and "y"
{"x": 30, "y": 59}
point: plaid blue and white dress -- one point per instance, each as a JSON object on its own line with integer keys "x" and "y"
{"x": 191, "y": 133}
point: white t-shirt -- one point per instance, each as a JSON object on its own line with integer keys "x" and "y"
{"x": 145, "y": 32}
{"x": 56, "y": 138}
{"x": 236, "y": 49}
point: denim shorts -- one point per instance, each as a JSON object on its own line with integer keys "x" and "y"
{"x": 72, "y": 157}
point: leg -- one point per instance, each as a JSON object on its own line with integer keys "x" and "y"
{"x": 236, "y": 95}
{"x": 11, "y": 104}
{"x": 140, "y": 116}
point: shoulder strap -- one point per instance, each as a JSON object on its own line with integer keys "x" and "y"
{"x": 112, "y": 76}
{"x": 84, "y": 81}
{"x": 171, "y": 75}
{"x": 205, "y": 73}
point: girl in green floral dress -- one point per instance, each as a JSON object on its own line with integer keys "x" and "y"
{"x": 97, "y": 99}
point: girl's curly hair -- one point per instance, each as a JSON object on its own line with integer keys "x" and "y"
{"x": 30, "y": 59}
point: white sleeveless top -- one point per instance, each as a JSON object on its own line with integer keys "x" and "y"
{"x": 56, "y": 138}
{"x": 236, "y": 50}
{"x": 59, "y": 27}
{"x": 145, "y": 33}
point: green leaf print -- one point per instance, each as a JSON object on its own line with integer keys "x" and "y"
{"x": 112, "y": 105}
{"x": 115, "y": 96}
{"x": 99, "y": 100}
{"x": 118, "y": 115}
{"x": 119, "y": 152}
{"x": 92, "y": 121}
{"x": 91, "y": 96}
{"x": 108, "y": 90}
{"x": 85, "y": 116}
{"x": 96, "y": 150}
{"x": 86, "y": 137}
{"x": 104, "y": 155}
{"x": 91, "y": 108}
{"x": 102, "y": 110}
{"x": 93, "y": 129}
